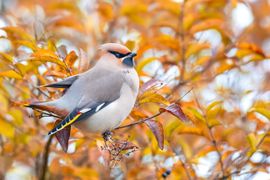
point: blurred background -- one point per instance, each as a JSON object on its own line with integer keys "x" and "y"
{"x": 219, "y": 49}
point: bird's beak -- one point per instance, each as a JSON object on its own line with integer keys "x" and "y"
{"x": 128, "y": 60}
{"x": 133, "y": 54}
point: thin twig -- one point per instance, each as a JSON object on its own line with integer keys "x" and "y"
{"x": 45, "y": 159}
{"x": 213, "y": 141}
{"x": 182, "y": 39}
{"x": 159, "y": 113}
{"x": 2, "y": 145}
{"x": 140, "y": 121}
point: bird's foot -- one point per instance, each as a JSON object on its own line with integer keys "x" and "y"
{"x": 107, "y": 135}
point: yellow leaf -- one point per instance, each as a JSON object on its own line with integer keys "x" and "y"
{"x": 195, "y": 48}
{"x": 202, "y": 60}
{"x": 3, "y": 103}
{"x": 213, "y": 122}
{"x": 83, "y": 173}
{"x": 17, "y": 116}
{"x": 134, "y": 12}
{"x": 5, "y": 57}
{"x": 171, "y": 127}
{"x": 46, "y": 56}
{"x": 168, "y": 41}
{"x": 190, "y": 130}
{"x": 261, "y": 111}
{"x": 6, "y": 129}
{"x": 16, "y": 33}
{"x": 224, "y": 66}
{"x": 214, "y": 23}
{"x": 143, "y": 63}
{"x": 196, "y": 114}
{"x": 213, "y": 109}
{"x": 154, "y": 98}
{"x": 252, "y": 140}
{"x": 29, "y": 44}
{"x": 10, "y": 74}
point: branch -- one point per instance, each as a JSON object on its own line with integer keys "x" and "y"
{"x": 45, "y": 159}
{"x": 140, "y": 121}
{"x": 213, "y": 141}
{"x": 182, "y": 39}
{"x": 146, "y": 119}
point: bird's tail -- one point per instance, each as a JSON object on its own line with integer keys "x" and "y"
{"x": 48, "y": 107}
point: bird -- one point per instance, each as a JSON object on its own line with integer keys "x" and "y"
{"x": 99, "y": 99}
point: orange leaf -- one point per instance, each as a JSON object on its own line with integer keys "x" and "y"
{"x": 10, "y": 74}
{"x": 46, "y": 56}
{"x": 70, "y": 58}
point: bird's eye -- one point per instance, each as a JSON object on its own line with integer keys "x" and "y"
{"x": 117, "y": 54}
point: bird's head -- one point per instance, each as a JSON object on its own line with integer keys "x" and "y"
{"x": 119, "y": 52}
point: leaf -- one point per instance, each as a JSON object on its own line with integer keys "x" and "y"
{"x": 6, "y": 129}
{"x": 195, "y": 48}
{"x": 143, "y": 63}
{"x": 63, "y": 136}
{"x": 261, "y": 111}
{"x": 157, "y": 129}
{"x": 214, "y": 23}
{"x": 16, "y": 33}
{"x": 252, "y": 140}
{"x": 46, "y": 56}
{"x": 70, "y": 58}
{"x": 176, "y": 110}
{"x": 151, "y": 84}
{"x": 251, "y": 48}
{"x": 224, "y": 66}
{"x": 153, "y": 98}
{"x": 191, "y": 130}
{"x": 10, "y": 74}
{"x": 4, "y": 105}
{"x": 168, "y": 41}
{"x": 196, "y": 114}
{"x": 213, "y": 109}
{"x": 213, "y": 122}
{"x": 6, "y": 57}
{"x": 29, "y": 44}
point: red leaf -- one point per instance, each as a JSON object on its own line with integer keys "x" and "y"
{"x": 157, "y": 129}
{"x": 63, "y": 136}
{"x": 176, "y": 110}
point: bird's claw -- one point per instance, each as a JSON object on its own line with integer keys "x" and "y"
{"x": 107, "y": 135}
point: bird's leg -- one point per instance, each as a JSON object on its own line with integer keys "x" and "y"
{"x": 107, "y": 135}
{"x": 111, "y": 146}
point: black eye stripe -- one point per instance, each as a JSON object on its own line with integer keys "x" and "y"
{"x": 118, "y": 55}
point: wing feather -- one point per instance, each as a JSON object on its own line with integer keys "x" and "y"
{"x": 78, "y": 115}
{"x": 66, "y": 83}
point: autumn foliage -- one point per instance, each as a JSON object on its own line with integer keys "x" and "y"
{"x": 203, "y": 109}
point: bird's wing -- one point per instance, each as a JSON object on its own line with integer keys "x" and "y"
{"x": 78, "y": 114}
{"x": 66, "y": 83}
{"x": 97, "y": 91}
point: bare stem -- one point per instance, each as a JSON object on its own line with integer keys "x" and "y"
{"x": 213, "y": 141}
{"x": 139, "y": 122}
{"x": 45, "y": 159}
{"x": 182, "y": 40}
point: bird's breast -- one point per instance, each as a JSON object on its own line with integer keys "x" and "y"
{"x": 112, "y": 115}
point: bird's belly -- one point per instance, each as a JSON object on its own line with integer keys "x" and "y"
{"x": 111, "y": 116}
